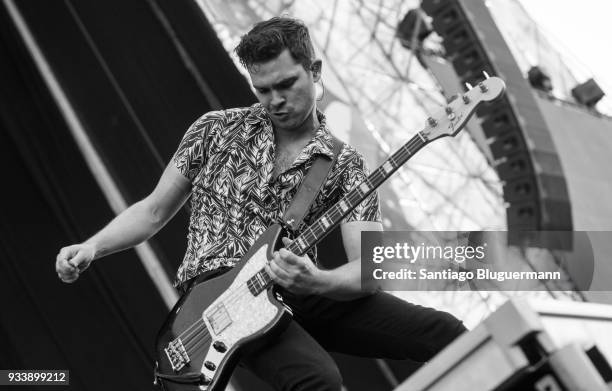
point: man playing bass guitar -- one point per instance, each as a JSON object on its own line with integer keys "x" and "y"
{"x": 241, "y": 167}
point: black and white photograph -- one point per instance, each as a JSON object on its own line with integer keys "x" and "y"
{"x": 306, "y": 195}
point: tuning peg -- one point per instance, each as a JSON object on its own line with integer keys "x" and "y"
{"x": 482, "y": 87}
{"x": 468, "y": 86}
{"x": 466, "y": 99}
{"x": 486, "y": 75}
{"x": 432, "y": 122}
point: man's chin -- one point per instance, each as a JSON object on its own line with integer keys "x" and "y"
{"x": 283, "y": 122}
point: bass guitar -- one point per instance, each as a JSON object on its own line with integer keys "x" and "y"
{"x": 227, "y": 313}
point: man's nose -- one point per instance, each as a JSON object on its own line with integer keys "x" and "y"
{"x": 277, "y": 99}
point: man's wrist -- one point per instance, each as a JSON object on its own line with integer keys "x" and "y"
{"x": 95, "y": 249}
{"x": 324, "y": 282}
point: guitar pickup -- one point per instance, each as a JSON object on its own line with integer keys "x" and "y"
{"x": 218, "y": 318}
{"x": 177, "y": 355}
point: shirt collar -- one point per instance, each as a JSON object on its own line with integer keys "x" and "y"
{"x": 322, "y": 142}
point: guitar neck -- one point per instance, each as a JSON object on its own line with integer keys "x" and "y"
{"x": 332, "y": 217}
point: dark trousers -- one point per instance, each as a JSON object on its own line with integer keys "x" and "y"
{"x": 379, "y": 326}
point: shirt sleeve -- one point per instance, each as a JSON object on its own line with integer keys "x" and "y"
{"x": 191, "y": 152}
{"x": 356, "y": 172}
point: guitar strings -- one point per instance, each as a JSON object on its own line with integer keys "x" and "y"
{"x": 191, "y": 333}
{"x": 189, "y": 337}
{"x": 232, "y": 297}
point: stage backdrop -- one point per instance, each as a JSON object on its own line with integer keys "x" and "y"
{"x": 137, "y": 74}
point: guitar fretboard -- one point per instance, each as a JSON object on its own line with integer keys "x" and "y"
{"x": 334, "y": 215}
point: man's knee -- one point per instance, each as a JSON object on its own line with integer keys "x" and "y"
{"x": 317, "y": 376}
{"x": 448, "y": 329}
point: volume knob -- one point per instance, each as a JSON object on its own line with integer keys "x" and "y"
{"x": 205, "y": 380}
{"x": 219, "y": 346}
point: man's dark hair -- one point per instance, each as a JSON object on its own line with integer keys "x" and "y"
{"x": 269, "y": 38}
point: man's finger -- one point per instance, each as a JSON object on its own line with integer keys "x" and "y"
{"x": 286, "y": 241}
{"x": 288, "y": 257}
{"x": 274, "y": 276}
{"x": 278, "y": 270}
{"x": 69, "y": 280}
{"x": 64, "y": 256}
{"x": 67, "y": 252}
{"x": 64, "y": 267}
{"x": 69, "y": 272}
{"x": 68, "y": 277}
{"x": 69, "y": 267}
{"x": 61, "y": 256}
{"x": 78, "y": 261}
{"x": 278, "y": 262}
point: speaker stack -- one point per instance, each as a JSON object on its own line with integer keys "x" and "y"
{"x": 525, "y": 156}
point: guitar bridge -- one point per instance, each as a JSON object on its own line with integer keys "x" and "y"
{"x": 177, "y": 355}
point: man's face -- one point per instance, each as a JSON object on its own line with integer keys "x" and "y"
{"x": 285, "y": 89}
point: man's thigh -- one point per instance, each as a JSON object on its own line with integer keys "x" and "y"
{"x": 294, "y": 361}
{"x": 384, "y": 326}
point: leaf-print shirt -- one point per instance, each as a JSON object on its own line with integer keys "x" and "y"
{"x": 228, "y": 156}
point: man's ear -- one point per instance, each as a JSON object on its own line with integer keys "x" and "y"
{"x": 315, "y": 67}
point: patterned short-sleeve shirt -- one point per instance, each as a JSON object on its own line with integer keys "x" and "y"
{"x": 228, "y": 156}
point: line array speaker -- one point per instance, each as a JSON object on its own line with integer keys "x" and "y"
{"x": 525, "y": 156}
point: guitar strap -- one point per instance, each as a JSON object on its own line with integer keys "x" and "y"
{"x": 310, "y": 187}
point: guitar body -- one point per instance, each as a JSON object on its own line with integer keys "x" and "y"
{"x": 218, "y": 319}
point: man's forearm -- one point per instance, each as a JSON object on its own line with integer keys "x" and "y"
{"x": 343, "y": 283}
{"x": 131, "y": 227}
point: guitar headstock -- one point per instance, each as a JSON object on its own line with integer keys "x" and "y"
{"x": 450, "y": 120}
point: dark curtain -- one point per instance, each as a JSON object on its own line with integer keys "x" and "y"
{"x": 136, "y": 79}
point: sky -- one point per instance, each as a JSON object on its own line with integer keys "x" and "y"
{"x": 584, "y": 27}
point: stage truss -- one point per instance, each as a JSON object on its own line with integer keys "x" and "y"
{"x": 377, "y": 96}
